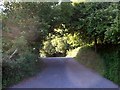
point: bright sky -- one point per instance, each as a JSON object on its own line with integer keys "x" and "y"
{"x": 1, "y": 5}
{"x": 78, "y": 0}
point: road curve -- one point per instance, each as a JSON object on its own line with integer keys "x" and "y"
{"x": 65, "y": 73}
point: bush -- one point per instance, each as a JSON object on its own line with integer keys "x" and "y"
{"x": 111, "y": 62}
{"x": 14, "y": 71}
{"x": 48, "y": 49}
{"x": 53, "y": 47}
{"x": 74, "y": 40}
{"x": 58, "y": 46}
{"x": 111, "y": 56}
{"x": 105, "y": 61}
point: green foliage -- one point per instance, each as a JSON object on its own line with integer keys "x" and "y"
{"x": 14, "y": 71}
{"x": 55, "y": 45}
{"x": 60, "y": 43}
{"x": 6, "y": 44}
{"x": 93, "y": 21}
{"x": 112, "y": 33}
{"x": 111, "y": 56}
{"x": 20, "y": 43}
{"x": 106, "y": 61}
{"x": 48, "y": 49}
{"x": 69, "y": 25}
{"x": 18, "y": 67}
{"x": 111, "y": 62}
{"x": 74, "y": 40}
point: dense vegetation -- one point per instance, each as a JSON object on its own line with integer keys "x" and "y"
{"x": 106, "y": 61}
{"x": 45, "y": 29}
{"x": 111, "y": 57}
{"x": 17, "y": 61}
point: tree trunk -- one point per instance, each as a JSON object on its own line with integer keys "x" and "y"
{"x": 95, "y": 43}
{"x": 37, "y": 52}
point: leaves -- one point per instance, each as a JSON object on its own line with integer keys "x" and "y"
{"x": 90, "y": 20}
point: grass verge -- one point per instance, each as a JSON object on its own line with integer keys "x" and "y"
{"x": 106, "y": 61}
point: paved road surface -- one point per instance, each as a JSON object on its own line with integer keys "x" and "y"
{"x": 65, "y": 73}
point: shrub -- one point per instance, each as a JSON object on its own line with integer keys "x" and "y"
{"x": 57, "y": 45}
{"x": 48, "y": 49}
{"x": 112, "y": 67}
{"x": 15, "y": 70}
{"x": 111, "y": 64}
{"x": 105, "y": 61}
{"x": 54, "y": 46}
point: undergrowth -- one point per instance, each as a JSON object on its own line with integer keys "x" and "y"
{"x": 16, "y": 70}
{"x": 106, "y": 61}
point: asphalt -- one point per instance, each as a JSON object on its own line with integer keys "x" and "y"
{"x": 63, "y": 72}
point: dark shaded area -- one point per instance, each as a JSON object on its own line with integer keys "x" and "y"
{"x": 110, "y": 53}
{"x": 13, "y": 71}
{"x": 108, "y": 47}
{"x": 107, "y": 62}
{"x": 58, "y": 54}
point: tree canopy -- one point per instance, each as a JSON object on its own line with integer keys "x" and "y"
{"x": 94, "y": 22}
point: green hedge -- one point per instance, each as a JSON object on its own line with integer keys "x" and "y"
{"x": 14, "y": 71}
{"x": 106, "y": 61}
{"x": 111, "y": 57}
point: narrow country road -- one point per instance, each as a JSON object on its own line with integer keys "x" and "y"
{"x": 65, "y": 73}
